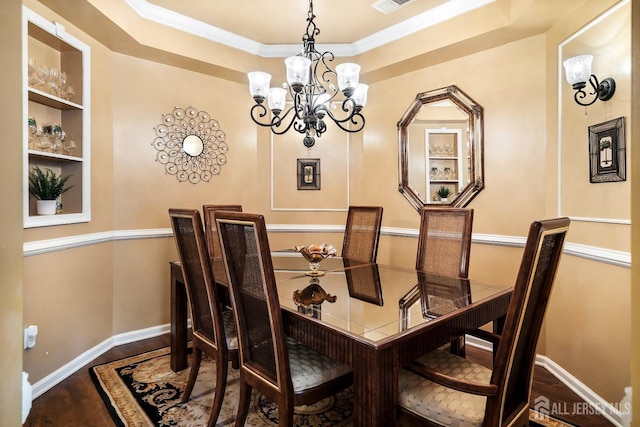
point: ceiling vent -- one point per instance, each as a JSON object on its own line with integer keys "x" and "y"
{"x": 389, "y": 6}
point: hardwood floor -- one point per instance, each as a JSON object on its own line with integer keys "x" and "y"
{"x": 75, "y": 402}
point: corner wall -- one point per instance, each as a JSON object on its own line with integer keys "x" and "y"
{"x": 11, "y": 225}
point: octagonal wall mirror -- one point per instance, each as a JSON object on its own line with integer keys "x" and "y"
{"x": 441, "y": 154}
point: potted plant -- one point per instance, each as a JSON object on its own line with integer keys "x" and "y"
{"x": 46, "y": 187}
{"x": 443, "y": 192}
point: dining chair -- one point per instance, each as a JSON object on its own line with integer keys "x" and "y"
{"x": 210, "y": 231}
{"x": 444, "y": 241}
{"x": 362, "y": 233}
{"x": 444, "y": 246}
{"x": 213, "y": 328}
{"x": 282, "y": 369}
{"x": 443, "y": 389}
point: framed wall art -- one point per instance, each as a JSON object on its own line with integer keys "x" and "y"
{"x": 607, "y": 154}
{"x": 308, "y": 174}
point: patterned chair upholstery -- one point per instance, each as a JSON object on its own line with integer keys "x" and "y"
{"x": 442, "y": 389}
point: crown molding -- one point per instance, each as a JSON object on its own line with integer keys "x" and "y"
{"x": 429, "y": 18}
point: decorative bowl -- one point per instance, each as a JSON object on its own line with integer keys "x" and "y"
{"x": 314, "y": 254}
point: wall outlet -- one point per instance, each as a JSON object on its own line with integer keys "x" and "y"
{"x": 30, "y": 333}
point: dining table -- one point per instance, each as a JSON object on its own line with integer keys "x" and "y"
{"x": 374, "y": 317}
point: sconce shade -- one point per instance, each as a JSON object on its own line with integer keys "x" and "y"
{"x": 578, "y": 69}
{"x": 259, "y": 85}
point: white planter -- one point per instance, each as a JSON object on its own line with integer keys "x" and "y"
{"x": 46, "y": 207}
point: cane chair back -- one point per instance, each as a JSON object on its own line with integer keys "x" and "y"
{"x": 476, "y": 395}
{"x": 213, "y": 327}
{"x": 444, "y": 241}
{"x": 210, "y": 230}
{"x": 362, "y": 233}
{"x": 282, "y": 369}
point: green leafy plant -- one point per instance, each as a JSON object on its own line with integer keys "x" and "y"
{"x": 47, "y": 185}
{"x": 443, "y": 192}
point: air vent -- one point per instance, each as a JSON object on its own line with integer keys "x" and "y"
{"x": 389, "y": 6}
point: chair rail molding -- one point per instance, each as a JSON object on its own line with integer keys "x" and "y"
{"x": 593, "y": 253}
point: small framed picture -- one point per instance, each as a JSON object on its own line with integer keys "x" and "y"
{"x": 607, "y": 154}
{"x": 308, "y": 174}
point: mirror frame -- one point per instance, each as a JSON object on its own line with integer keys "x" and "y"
{"x": 476, "y": 139}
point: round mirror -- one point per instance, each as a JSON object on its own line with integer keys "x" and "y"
{"x": 193, "y": 145}
{"x": 441, "y": 155}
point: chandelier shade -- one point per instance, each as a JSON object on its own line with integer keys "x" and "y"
{"x": 311, "y": 85}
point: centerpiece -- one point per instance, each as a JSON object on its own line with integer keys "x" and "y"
{"x": 315, "y": 254}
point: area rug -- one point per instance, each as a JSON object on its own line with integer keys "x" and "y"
{"x": 143, "y": 391}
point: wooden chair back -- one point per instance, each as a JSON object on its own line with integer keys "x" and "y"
{"x": 207, "y": 317}
{"x": 362, "y": 233}
{"x": 514, "y": 359}
{"x": 213, "y": 241}
{"x": 261, "y": 337}
{"x": 444, "y": 241}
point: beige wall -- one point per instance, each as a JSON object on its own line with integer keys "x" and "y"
{"x": 11, "y": 299}
{"x": 583, "y": 287}
{"x": 513, "y": 82}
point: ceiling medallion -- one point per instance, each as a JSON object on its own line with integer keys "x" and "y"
{"x": 190, "y": 145}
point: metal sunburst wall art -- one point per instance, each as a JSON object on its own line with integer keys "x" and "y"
{"x": 190, "y": 145}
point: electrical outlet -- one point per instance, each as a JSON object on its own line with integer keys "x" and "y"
{"x": 30, "y": 333}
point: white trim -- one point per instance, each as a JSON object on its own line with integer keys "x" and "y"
{"x": 62, "y": 243}
{"x": 79, "y": 362}
{"x": 561, "y": 82}
{"x": 65, "y": 371}
{"x": 593, "y": 253}
{"x": 446, "y": 11}
{"x": 603, "y": 407}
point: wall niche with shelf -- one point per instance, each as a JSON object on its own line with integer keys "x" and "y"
{"x": 56, "y": 71}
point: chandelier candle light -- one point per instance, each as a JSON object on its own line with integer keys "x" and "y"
{"x": 307, "y": 74}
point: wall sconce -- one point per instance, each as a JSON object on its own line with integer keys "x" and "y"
{"x": 578, "y": 71}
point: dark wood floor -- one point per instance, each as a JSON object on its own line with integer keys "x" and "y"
{"x": 75, "y": 401}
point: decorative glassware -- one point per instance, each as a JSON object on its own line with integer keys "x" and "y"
{"x": 314, "y": 254}
{"x": 43, "y": 75}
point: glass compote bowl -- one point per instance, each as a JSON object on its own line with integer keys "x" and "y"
{"x": 315, "y": 254}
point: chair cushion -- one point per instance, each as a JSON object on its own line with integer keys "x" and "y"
{"x": 230, "y": 329}
{"x": 310, "y": 368}
{"x": 441, "y": 404}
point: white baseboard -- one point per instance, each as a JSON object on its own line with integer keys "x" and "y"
{"x": 589, "y": 396}
{"x": 79, "y": 362}
{"x": 605, "y": 408}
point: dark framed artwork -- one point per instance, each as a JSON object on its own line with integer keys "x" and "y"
{"x": 308, "y": 174}
{"x": 607, "y": 154}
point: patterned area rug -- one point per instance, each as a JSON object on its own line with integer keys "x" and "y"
{"x": 143, "y": 391}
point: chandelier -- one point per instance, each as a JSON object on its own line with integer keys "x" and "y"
{"x": 311, "y": 86}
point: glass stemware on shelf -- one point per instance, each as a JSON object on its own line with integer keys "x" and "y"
{"x": 50, "y": 80}
{"x": 49, "y": 138}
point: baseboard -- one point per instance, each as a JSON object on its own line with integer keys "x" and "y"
{"x": 605, "y": 408}
{"x": 589, "y": 396}
{"x": 54, "y": 378}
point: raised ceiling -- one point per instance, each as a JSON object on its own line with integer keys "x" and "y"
{"x": 227, "y": 38}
